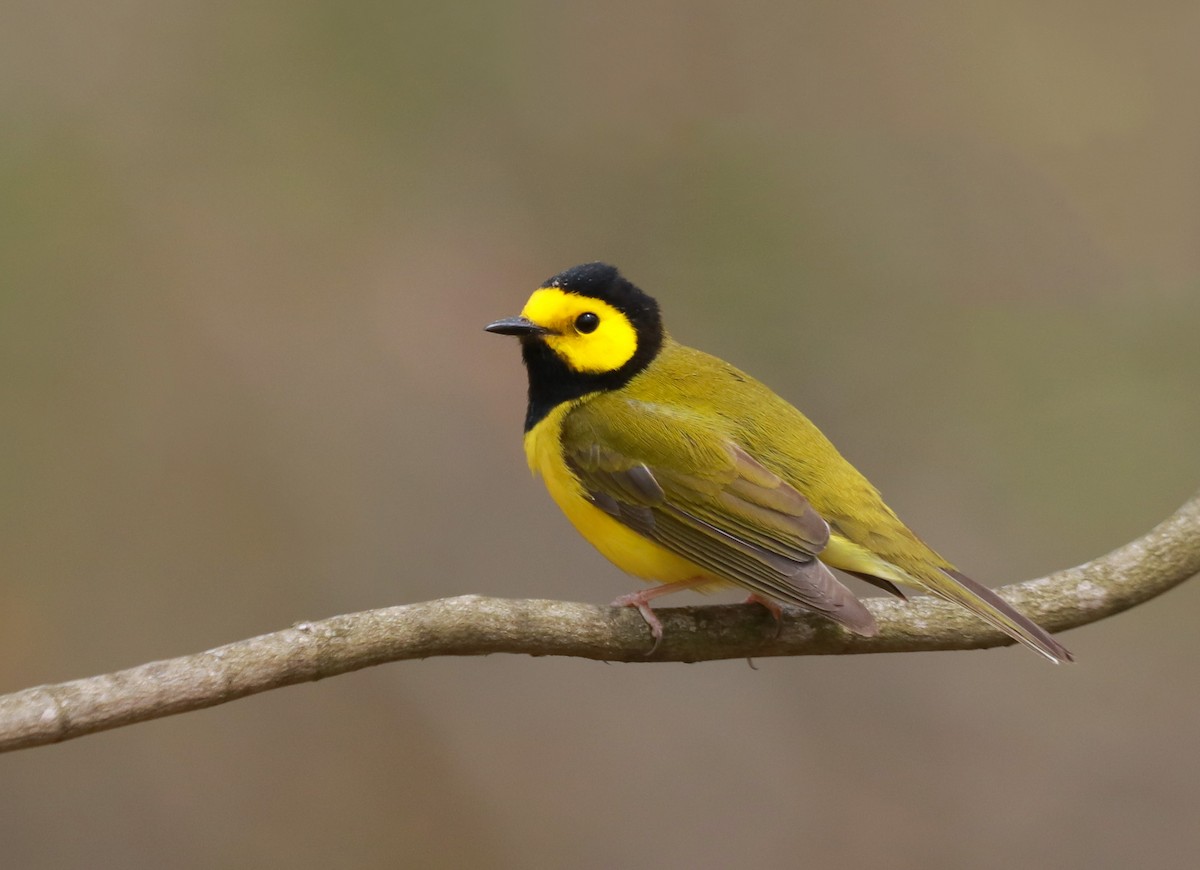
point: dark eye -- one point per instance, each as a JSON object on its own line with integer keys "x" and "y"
{"x": 587, "y": 322}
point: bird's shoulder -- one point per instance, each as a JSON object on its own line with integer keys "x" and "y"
{"x": 634, "y": 451}
{"x": 696, "y": 414}
{"x": 688, "y": 399}
{"x": 669, "y": 415}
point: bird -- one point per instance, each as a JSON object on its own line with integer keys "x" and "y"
{"x": 687, "y": 472}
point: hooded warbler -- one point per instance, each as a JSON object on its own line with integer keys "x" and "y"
{"x": 681, "y": 469}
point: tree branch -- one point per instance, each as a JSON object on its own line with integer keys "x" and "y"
{"x": 473, "y": 625}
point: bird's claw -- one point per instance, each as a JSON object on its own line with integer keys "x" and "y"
{"x": 774, "y": 607}
{"x": 641, "y": 602}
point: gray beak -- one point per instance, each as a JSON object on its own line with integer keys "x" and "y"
{"x": 516, "y": 326}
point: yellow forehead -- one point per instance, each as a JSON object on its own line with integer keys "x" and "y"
{"x": 607, "y": 348}
{"x": 557, "y": 309}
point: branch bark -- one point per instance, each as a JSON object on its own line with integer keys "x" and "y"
{"x": 473, "y": 625}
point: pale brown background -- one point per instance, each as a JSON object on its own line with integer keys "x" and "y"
{"x": 247, "y": 253}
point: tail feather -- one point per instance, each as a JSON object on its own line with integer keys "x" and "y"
{"x": 997, "y": 612}
{"x": 947, "y": 584}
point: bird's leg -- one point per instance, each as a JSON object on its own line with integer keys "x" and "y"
{"x": 774, "y": 607}
{"x": 641, "y": 600}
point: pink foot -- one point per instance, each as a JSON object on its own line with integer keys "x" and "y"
{"x": 641, "y": 600}
{"x": 773, "y": 606}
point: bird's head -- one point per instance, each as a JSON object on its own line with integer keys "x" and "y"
{"x": 592, "y": 319}
{"x": 583, "y": 331}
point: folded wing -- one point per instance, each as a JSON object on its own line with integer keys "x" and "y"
{"x": 726, "y": 513}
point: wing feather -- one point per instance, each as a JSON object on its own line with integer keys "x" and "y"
{"x": 731, "y": 516}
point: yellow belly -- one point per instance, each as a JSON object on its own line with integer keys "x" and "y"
{"x": 620, "y": 544}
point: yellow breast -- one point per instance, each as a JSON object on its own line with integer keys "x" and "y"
{"x": 624, "y": 547}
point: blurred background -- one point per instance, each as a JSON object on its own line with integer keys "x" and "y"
{"x": 246, "y": 254}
